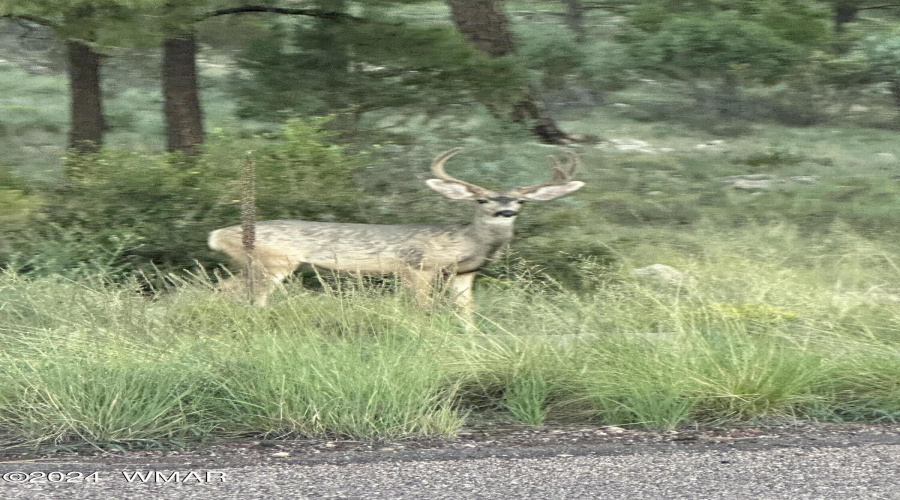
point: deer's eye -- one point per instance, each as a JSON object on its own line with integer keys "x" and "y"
{"x": 482, "y": 201}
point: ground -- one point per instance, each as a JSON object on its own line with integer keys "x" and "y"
{"x": 514, "y": 461}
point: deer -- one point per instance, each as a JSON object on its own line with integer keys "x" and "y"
{"x": 419, "y": 254}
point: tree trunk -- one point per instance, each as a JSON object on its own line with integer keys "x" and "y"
{"x": 844, "y": 12}
{"x": 575, "y": 19}
{"x": 728, "y": 102}
{"x": 184, "y": 117}
{"x": 486, "y": 26}
{"x": 895, "y": 92}
{"x": 87, "y": 124}
{"x": 326, "y": 48}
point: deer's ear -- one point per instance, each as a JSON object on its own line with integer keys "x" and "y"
{"x": 553, "y": 192}
{"x": 452, "y": 190}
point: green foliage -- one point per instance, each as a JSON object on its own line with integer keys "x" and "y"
{"x": 557, "y": 61}
{"x": 128, "y": 211}
{"x": 798, "y": 21}
{"x": 882, "y": 52}
{"x": 356, "y": 388}
{"x": 551, "y": 53}
{"x": 775, "y": 325}
{"x": 848, "y": 70}
{"x": 802, "y": 22}
{"x": 17, "y": 200}
{"x": 526, "y": 398}
{"x": 306, "y": 68}
{"x": 107, "y": 22}
{"x": 733, "y": 43}
{"x": 716, "y": 45}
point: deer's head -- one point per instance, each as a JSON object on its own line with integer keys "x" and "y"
{"x": 504, "y": 206}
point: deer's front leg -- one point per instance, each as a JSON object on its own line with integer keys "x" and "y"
{"x": 461, "y": 287}
{"x": 263, "y": 277}
{"x": 421, "y": 283}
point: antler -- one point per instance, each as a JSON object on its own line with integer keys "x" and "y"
{"x": 560, "y": 172}
{"x": 437, "y": 169}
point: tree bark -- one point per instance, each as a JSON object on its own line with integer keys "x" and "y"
{"x": 87, "y": 123}
{"x": 485, "y": 25}
{"x": 895, "y": 92}
{"x": 575, "y": 19}
{"x": 184, "y": 116}
{"x": 844, "y": 12}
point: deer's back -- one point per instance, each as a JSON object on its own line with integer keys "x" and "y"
{"x": 372, "y": 248}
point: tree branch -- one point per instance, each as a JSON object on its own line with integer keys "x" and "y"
{"x": 886, "y": 6}
{"x": 246, "y": 9}
{"x": 32, "y": 19}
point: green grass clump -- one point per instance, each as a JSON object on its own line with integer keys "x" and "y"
{"x": 772, "y": 324}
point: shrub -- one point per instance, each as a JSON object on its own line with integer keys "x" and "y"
{"x": 135, "y": 211}
{"x": 17, "y": 204}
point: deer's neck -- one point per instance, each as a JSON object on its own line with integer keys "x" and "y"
{"x": 486, "y": 238}
{"x": 493, "y": 232}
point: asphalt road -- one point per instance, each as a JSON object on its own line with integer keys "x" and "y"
{"x": 816, "y": 464}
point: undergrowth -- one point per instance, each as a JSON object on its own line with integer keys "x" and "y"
{"x": 809, "y": 335}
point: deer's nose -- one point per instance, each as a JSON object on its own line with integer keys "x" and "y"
{"x": 506, "y": 213}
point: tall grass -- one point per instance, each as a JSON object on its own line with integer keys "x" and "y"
{"x": 810, "y": 335}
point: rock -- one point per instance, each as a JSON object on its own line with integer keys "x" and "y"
{"x": 805, "y": 179}
{"x": 765, "y": 182}
{"x": 632, "y": 145}
{"x": 858, "y": 108}
{"x": 281, "y": 454}
{"x": 38, "y": 70}
{"x": 750, "y": 177}
{"x": 752, "y": 185}
{"x": 710, "y": 144}
{"x": 662, "y": 274}
{"x": 585, "y": 138}
{"x": 654, "y": 193}
{"x": 583, "y": 96}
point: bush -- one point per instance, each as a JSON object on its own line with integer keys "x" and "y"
{"x": 883, "y": 56}
{"x": 570, "y": 73}
{"x": 124, "y": 212}
{"x": 17, "y": 204}
{"x": 715, "y": 45}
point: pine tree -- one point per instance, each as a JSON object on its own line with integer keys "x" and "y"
{"x": 76, "y": 22}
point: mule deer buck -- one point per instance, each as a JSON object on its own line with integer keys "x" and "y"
{"x": 418, "y": 253}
